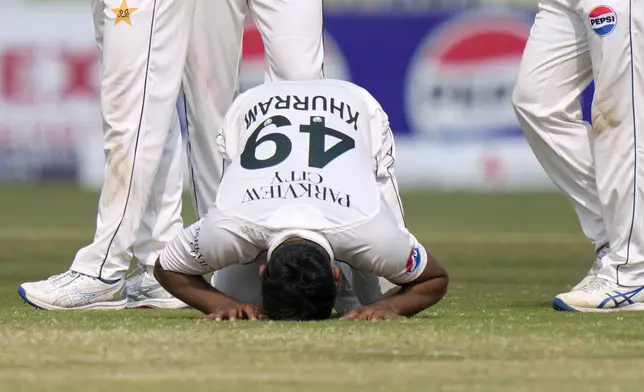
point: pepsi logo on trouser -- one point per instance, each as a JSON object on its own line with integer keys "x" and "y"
{"x": 603, "y": 20}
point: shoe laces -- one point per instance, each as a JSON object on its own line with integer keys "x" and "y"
{"x": 595, "y": 284}
{"x": 65, "y": 274}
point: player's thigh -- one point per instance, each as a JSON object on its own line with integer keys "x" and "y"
{"x": 214, "y": 51}
{"x": 126, "y": 48}
{"x": 210, "y": 84}
{"x": 212, "y": 66}
{"x": 556, "y": 66}
{"x": 292, "y": 31}
{"x": 614, "y": 47}
{"x": 139, "y": 38}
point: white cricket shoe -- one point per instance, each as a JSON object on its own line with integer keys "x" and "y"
{"x": 72, "y": 290}
{"x": 143, "y": 291}
{"x": 600, "y": 295}
{"x": 594, "y": 269}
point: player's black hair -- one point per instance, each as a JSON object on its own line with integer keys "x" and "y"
{"x": 298, "y": 283}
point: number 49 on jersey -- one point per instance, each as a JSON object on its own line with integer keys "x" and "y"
{"x": 319, "y": 157}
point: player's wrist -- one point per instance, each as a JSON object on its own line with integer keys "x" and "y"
{"x": 387, "y": 305}
{"x": 219, "y": 301}
{"x": 405, "y": 304}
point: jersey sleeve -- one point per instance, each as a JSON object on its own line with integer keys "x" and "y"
{"x": 382, "y": 247}
{"x": 183, "y": 254}
{"x": 412, "y": 268}
{"x": 210, "y": 244}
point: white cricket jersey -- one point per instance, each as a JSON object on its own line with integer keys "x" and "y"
{"x": 311, "y": 160}
{"x": 300, "y": 155}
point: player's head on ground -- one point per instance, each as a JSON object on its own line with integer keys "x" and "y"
{"x": 298, "y": 282}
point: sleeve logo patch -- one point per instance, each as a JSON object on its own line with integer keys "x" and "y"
{"x": 414, "y": 260}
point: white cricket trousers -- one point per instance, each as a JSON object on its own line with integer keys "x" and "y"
{"x": 292, "y": 34}
{"x": 143, "y": 45}
{"x": 600, "y": 167}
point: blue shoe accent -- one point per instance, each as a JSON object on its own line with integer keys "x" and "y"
{"x": 109, "y": 281}
{"x": 23, "y": 295}
{"x": 561, "y": 306}
{"x": 620, "y": 298}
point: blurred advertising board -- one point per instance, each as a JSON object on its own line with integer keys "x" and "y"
{"x": 444, "y": 78}
{"x": 48, "y": 92}
{"x": 371, "y": 5}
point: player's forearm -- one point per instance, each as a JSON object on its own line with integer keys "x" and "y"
{"x": 193, "y": 290}
{"x": 415, "y": 298}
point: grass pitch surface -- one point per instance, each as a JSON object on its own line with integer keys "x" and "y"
{"x": 495, "y": 331}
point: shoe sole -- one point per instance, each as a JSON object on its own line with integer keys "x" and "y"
{"x": 156, "y": 304}
{"x": 112, "y": 305}
{"x": 560, "y": 306}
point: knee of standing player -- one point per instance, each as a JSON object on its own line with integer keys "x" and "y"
{"x": 522, "y": 95}
{"x": 527, "y": 98}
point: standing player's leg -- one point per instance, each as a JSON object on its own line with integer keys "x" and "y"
{"x": 555, "y": 69}
{"x": 210, "y": 85}
{"x": 617, "y": 140}
{"x": 143, "y": 56}
{"x": 143, "y": 48}
{"x": 161, "y": 220}
{"x": 160, "y": 224}
{"x": 292, "y": 31}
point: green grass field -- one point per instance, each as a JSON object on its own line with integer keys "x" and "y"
{"x": 495, "y": 330}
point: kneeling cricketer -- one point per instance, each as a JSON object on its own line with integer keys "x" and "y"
{"x": 308, "y": 185}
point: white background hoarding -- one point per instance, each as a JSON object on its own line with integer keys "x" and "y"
{"x": 48, "y": 90}
{"x": 50, "y": 120}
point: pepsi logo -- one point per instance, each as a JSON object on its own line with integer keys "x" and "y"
{"x": 603, "y": 20}
{"x": 462, "y": 76}
{"x": 253, "y": 65}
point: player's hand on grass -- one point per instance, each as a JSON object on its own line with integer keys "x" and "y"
{"x": 236, "y": 311}
{"x": 373, "y": 312}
